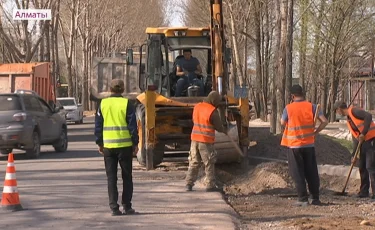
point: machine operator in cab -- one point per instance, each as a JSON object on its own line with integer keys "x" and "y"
{"x": 188, "y": 69}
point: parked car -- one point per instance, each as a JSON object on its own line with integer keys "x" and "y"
{"x": 74, "y": 111}
{"x": 27, "y": 122}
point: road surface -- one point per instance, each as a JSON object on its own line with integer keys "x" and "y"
{"x": 69, "y": 191}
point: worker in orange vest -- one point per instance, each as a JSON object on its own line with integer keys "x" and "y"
{"x": 362, "y": 129}
{"x": 206, "y": 120}
{"x": 299, "y": 137}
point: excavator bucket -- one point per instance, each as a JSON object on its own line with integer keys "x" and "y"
{"x": 226, "y": 151}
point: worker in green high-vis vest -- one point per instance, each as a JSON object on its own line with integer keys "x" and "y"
{"x": 117, "y": 137}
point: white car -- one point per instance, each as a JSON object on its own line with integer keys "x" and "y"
{"x": 74, "y": 111}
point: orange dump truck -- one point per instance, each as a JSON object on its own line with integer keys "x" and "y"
{"x": 28, "y": 76}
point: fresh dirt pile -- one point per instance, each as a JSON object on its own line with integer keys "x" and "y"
{"x": 264, "y": 198}
{"x": 273, "y": 178}
{"x": 264, "y": 177}
{"x": 336, "y": 183}
{"x": 268, "y": 145}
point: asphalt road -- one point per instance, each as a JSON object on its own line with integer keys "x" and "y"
{"x": 69, "y": 191}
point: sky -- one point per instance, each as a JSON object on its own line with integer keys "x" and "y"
{"x": 175, "y": 22}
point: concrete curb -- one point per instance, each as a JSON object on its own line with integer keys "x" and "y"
{"x": 338, "y": 170}
{"x": 339, "y": 134}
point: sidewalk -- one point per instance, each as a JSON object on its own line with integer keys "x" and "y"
{"x": 73, "y": 195}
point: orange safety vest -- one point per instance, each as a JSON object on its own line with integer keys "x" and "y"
{"x": 299, "y": 130}
{"x": 359, "y": 124}
{"x": 203, "y": 130}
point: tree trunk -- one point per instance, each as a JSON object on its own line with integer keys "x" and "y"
{"x": 75, "y": 72}
{"x": 70, "y": 77}
{"x": 85, "y": 46}
{"x": 69, "y": 48}
{"x": 56, "y": 45}
{"x": 258, "y": 49}
{"x": 266, "y": 60}
{"x": 275, "y": 124}
{"x": 289, "y": 52}
{"x": 235, "y": 47}
{"x": 42, "y": 43}
{"x": 280, "y": 92}
{"x": 316, "y": 79}
{"x": 303, "y": 43}
{"x": 48, "y": 42}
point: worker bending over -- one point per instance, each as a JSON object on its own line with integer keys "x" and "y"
{"x": 299, "y": 137}
{"x": 206, "y": 120}
{"x": 362, "y": 129}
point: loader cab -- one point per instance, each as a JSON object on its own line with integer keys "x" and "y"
{"x": 164, "y": 49}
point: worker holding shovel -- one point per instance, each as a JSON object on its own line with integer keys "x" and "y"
{"x": 206, "y": 120}
{"x": 362, "y": 129}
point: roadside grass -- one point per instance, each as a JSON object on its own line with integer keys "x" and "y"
{"x": 345, "y": 143}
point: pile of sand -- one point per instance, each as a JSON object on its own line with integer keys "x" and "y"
{"x": 264, "y": 177}
{"x": 273, "y": 178}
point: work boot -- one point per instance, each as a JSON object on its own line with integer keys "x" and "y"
{"x": 316, "y": 202}
{"x": 116, "y": 212}
{"x": 362, "y": 195}
{"x": 128, "y": 211}
{"x": 189, "y": 188}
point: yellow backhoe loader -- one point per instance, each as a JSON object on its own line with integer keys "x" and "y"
{"x": 165, "y": 120}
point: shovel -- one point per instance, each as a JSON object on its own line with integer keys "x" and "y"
{"x": 343, "y": 193}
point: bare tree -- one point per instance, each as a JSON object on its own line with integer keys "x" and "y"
{"x": 22, "y": 42}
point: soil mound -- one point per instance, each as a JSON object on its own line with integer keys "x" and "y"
{"x": 330, "y": 184}
{"x": 264, "y": 177}
{"x": 268, "y": 145}
{"x": 273, "y": 178}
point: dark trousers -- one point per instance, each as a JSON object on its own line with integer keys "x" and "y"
{"x": 366, "y": 165}
{"x": 112, "y": 157}
{"x": 302, "y": 168}
{"x": 184, "y": 82}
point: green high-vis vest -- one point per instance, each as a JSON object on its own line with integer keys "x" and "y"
{"x": 115, "y": 128}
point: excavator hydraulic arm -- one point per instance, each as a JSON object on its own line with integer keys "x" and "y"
{"x": 217, "y": 46}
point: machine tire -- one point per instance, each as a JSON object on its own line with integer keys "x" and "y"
{"x": 62, "y": 143}
{"x": 159, "y": 148}
{"x": 34, "y": 152}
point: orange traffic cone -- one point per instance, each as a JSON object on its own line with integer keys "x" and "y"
{"x": 10, "y": 199}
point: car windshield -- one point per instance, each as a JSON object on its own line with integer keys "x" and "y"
{"x": 8, "y": 102}
{"x": 66, "y": 102}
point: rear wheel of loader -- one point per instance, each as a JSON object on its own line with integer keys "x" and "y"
{"x": 159, "y": 148}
